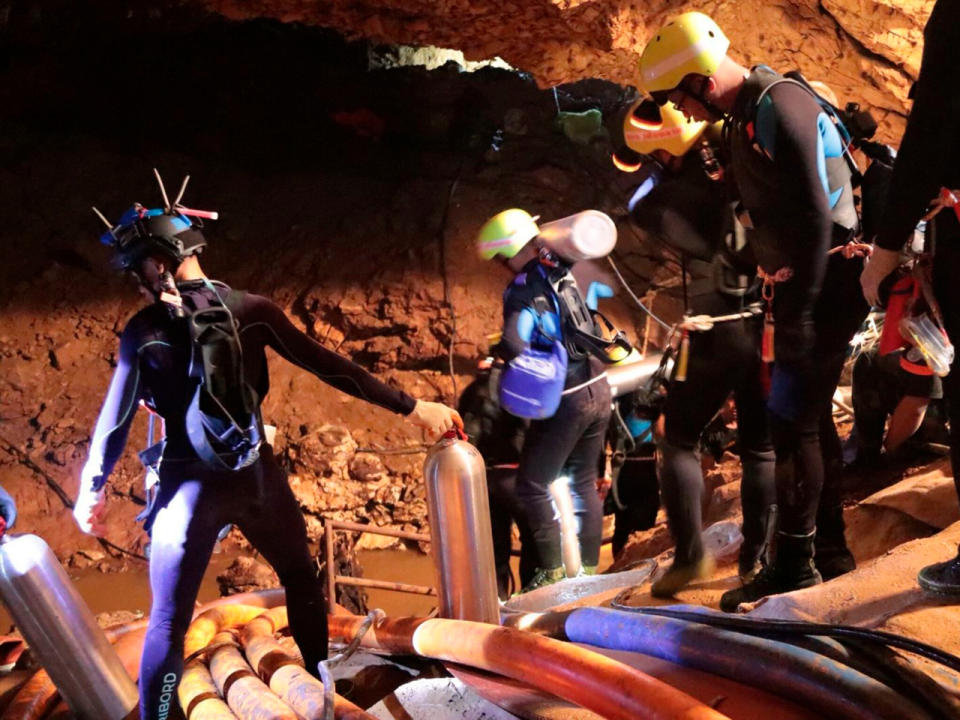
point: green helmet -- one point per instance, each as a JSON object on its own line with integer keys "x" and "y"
{"x": 506, "y": 233}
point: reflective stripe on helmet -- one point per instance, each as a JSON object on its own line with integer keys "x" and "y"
{"x": 676, "y": 60}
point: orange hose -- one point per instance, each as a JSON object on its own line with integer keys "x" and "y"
{"x": 34, "y": 700}
{"x": 285, "y": 675}
{"x": 586, "y": 678}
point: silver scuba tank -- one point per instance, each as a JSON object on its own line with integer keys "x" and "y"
{"x": 62, "y": 632}
{"x": 461, "y": 539}
{"x": 624, "y": 378}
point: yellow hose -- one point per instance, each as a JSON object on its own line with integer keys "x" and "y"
{"x": 215, "y": 620}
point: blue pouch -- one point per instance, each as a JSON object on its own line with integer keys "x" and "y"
{"x": 532, "y": 383}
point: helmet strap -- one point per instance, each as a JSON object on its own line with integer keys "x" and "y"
{"x": 549, "y": 258}
{"x": 698, "y": 95}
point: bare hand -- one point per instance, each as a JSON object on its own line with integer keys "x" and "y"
{"x": 603, "y": 487}
{"x": 881, "y": 263}
{"x": 89, "y": 511}
{"x": 435, "y": 418}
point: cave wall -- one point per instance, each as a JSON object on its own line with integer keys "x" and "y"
{"x": 352, "y": 200}
{"x": 867, "y": 50}
{"x": 350, "y": 196}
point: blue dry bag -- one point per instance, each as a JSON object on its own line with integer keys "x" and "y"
{"x": 532, "y": 383}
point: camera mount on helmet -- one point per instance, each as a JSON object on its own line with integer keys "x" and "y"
{"x": 169, "y": 231}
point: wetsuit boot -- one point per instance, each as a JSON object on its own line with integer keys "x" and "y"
{"x": 792, "y": 569}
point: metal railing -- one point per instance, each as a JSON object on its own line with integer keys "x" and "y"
{"x": 331, "y": 526}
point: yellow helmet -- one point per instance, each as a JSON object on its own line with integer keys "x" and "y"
{"x": 648, "y": 127}
{"x": 690, "y": 43}
{"x": 506, "y": 233}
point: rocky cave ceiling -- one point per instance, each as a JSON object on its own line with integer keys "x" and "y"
{"x": 867, "y": 50}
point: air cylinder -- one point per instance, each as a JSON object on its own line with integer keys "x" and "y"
{"x": 627, "y": 377}
{"x": 461, "y": 538}
{"x": 62, "y": 632}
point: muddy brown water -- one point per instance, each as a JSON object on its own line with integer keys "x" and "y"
{"x": 129, "y": 590}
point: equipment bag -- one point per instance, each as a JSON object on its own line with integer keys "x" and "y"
{"x": 532, "y": 383}
{"x": 581, "y": 324}
{"x": 838, "y": 166}
{"x": 223, "y": 418}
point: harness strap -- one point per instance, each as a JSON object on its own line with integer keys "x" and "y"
{"x": 581, "y": 386}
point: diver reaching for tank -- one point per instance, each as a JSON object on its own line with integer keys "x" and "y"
{"x": 195, "y": 355}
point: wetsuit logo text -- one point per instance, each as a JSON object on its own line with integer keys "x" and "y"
{"x": 166, "y": 694}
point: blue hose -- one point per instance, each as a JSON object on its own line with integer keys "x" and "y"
{"x": 791, "y": 672}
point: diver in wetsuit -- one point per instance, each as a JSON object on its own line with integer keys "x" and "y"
{"x": 929, "y": 159}
{"x": 795, "y": 189}
{"x": 160, "y": 248}
{"x": 572, "y": 438}
{"x": 679, "y": 205}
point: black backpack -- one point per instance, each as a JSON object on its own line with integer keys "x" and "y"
{"x": 223, "y": 419}
{"x": 855, "y": 127}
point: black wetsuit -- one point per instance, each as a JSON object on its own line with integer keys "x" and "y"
{"x": 929, "y": 159}
{"x": 498, "y": 436}
{"x": 194, "y": 502}
{"x": 573, "y": 438}
{"x": 819, "y": 308}
{"x": 689, "y": 213}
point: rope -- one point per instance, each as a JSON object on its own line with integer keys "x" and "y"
{"x": 324, "y": 666}
{"x": 637, "y": 300}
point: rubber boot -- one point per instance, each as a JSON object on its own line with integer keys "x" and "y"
{"x": 792, "y": 569}
{"x": 942, "y": 578}
{"x": 542, "y": 578}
